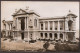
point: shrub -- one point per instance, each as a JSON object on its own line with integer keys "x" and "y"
{"x": 66, "y": 47}
{"x": 46, "y": 45}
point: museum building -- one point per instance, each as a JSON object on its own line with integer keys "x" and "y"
{"x": 28, "y": 25}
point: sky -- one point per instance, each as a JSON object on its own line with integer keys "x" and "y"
{"x": 43, "y": 8}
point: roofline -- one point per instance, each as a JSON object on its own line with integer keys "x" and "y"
{"x": 26, "y": 13}
{"x": 52, "y": 18}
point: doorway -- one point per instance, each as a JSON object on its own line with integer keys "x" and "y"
{"x": 22, "y": 35}
{"x": 22, "y": 24}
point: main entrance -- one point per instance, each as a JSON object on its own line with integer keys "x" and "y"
{"x": 22, "y": 27}
{"x": 22, "y": 24}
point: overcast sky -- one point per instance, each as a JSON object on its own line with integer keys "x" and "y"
{"x": 45, "y": 9}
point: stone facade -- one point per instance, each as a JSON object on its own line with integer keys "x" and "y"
{"x": 27, "y": 25}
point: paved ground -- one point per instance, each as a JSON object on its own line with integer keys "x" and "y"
{"x": 20, "y": 45}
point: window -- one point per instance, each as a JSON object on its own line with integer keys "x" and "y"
{"x": 51, "y": 24}
{"x": 41, "y": 26}
{"x": 55, "y": 35}
{"x": 61, "y": 25}
{"x": 35, "y": 22}
{"x": 45, "y": 35}
{"x": 50, "y": 35}
{"x": 61, "y": 36}
{"x": 41, "y": 35}
{"x": 56, "y": 25}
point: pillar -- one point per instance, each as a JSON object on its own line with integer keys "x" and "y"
{"x": 63, "y": 37}
{"x": 28, "y": 36}
{"x": 48, "y": 25}
{"x": 53, "y": 36}
{"x": 74, "y": 38}
{"x": 40, "y": 25}
{"x": 10, "y": 26}
{"x": 17, "y": 23}
{"x": 53, "y": 26}
{"x": 66, "y": 37}
{"x": 58, "y": 26}
{"x": 25, "y": 23}
{"x": 74, "y": 25}
{"x": 43, "y": 25}
{"x": 43, "y": 35}
{"x": 6, "y": 26}
{"x": 66, "y": 25}
{"x": 48, "y": 36}
{"x": 58, "y": 36}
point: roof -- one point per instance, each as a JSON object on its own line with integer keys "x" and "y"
{"x": 72, "y": 14}
{"x": 57, "y": 17}
{"x": 22, "y": 12}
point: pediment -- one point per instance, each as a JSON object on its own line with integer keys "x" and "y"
{"x": 20, "y": 12}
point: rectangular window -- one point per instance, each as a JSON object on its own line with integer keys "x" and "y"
{"x": 41, "y": 26}
{"x": 56, "y": 25}
{"x": 51, "y": 24}
{"x": 61, "y": 25}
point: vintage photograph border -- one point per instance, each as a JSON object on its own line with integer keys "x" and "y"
{"x": 37, "y": 52}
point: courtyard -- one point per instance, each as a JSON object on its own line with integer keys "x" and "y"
{"x": 21, "y": 45}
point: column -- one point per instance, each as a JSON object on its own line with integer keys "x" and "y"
{"x": 48, "y": 25}
{"x": 53, "y": 36}
{"x": 74, "y": 38}
{"x": 28, "y": 36}
{"x": 43, "y": 25}
{"x": 17, "y": 23}
{"x": 25, "y": 23}
{"x": 53, "y": 26}
{"x": 48, "y": 35}
{"x": 6, "y": 26}
{"x": 58, "y": 36}
{"x": 10, "y": 26}
{"x": 58, "y": 26}
{"x": 63, "y": 37}
{"x": 43, "y": 35}
{"x": 74, "y": 25}
{"x": 66, "y": 37}
{"x": 40, "y": 25}
{"x": 13, "y": 34}
{"x": 66, "y": 25}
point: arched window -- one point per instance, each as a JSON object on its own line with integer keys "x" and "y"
{"x": 55, "y": 35}
{"x": 35, "y": 22}
{"x": 50, "y": 35}
{"x": 61, "y": 36}
{"x": 41, "y": 35}
{"x": 45, "y": 35}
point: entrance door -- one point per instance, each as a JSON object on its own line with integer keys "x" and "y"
{"x": 22, "y": 36}
{"x": 22, "y": 24}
